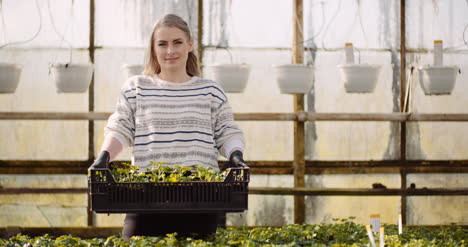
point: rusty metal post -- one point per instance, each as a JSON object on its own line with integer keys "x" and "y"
{"x": 402, "y": 76}
{"x": 404, "y": 206}
{"x": 92, "y": 49}
{"x": 299, "y": 126}
{"x": 200, "y": 47}
{"x": 402, "y": 99}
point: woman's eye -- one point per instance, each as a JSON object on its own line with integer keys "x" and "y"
{"x": 161, "y": 44}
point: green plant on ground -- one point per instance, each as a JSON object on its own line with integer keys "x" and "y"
{"x": 344, "y": 233}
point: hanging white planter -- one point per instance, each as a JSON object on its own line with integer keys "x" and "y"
{"x": 71, "y": 78}
{"x": 294, "y": 78}
{"x": 130, "y": 70}
{"x": 232, "y": 77}
{"x": 9, "y": 77}
{"x": 359, "y": 78}
{"x": 438, "y": 80}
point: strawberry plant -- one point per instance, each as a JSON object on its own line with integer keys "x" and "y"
{"x": 162, "y": 173}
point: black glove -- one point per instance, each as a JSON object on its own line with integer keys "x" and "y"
{"x": 235, "y": 160}
{"x": 102, "y": 161}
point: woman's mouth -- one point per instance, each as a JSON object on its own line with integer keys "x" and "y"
{"x": 171, "y": 60}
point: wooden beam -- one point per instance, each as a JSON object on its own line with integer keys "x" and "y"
{"x": 43, "y": 167}
{"x": 296, "y": 116}
{"x": 387, "y": 163}
{"x": 265, "y": 116}
{"x": 403, "y": 201}
{"x": 262, "y": 167}
{"x": 453, "y": 117}
{"x": 394, "y": 117}
{"x": 299, "y": 128}
{"x": 313, "y": 116}
{"x": 54, "y": 115}
{"x": 357, "y": 191}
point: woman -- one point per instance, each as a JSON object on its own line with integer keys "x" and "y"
{"x": 171, "y": 115}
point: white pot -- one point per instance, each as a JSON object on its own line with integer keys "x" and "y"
{"x": 294, "y": 78}
{"x": 130, "y": 70}
{"x": 9, "y": 77}
{"x": 71, "y": 78}
{"x": 438, "y": 80}
{"x": 359, "y": 78}
{"x": 232, "y": 77}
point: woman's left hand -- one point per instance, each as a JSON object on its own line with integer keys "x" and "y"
{"x": 236, "y": 159}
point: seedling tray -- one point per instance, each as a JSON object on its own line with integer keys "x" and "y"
{"x": 108, "y": 196}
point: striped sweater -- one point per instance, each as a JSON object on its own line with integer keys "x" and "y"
{"x": 186, "y": 124}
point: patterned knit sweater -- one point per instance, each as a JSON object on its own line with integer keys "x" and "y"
{"x": 184, "y": 124}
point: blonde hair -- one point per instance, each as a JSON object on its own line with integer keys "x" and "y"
{"x": 152, "y": 65}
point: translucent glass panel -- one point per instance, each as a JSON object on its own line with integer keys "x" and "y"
{"x": 266, "y": 210}
{"x": 58, "y": 23}
{"x": 327, "y": 24}
{"x": 438, "y": 140}
{"x": 432, "y": 210}
{"x": 36, "y": 92}
{"x": 365, "y": 23}
{"x": 453, "y": 103}
{"x": 109, "y": 74}
{"x": 429, "y": 20}
{"x": 265, "y": 140}
{"x": 351, "y": 140}
{"x": 43, "y": 210}
{"x": 330, "y": 95}
{"x": 324, "y": 208}
{"x": 127, "y": 23}
{"x": 262, "y": 93}
{"x": 248, "y": 23}
{"x": 319, "y": 208}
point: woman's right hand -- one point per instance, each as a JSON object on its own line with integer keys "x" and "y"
{"x": 102, "y": 161}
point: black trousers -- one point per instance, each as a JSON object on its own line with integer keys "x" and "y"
{"x": 185, "y": 224}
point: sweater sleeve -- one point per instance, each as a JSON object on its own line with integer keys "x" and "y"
{"x": 122, "y": 122}
{"x": 226, "y": 130}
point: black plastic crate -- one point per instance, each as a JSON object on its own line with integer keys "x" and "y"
{"x": 108, "y": 196}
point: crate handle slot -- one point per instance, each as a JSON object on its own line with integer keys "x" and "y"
{"x": 231, "y": 177}
{"x": 101, "y": 174}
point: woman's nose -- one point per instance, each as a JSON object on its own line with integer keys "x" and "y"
{"x": 170, "y": 49}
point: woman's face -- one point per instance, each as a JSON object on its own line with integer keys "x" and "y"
{"x": 172, "y": 48}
